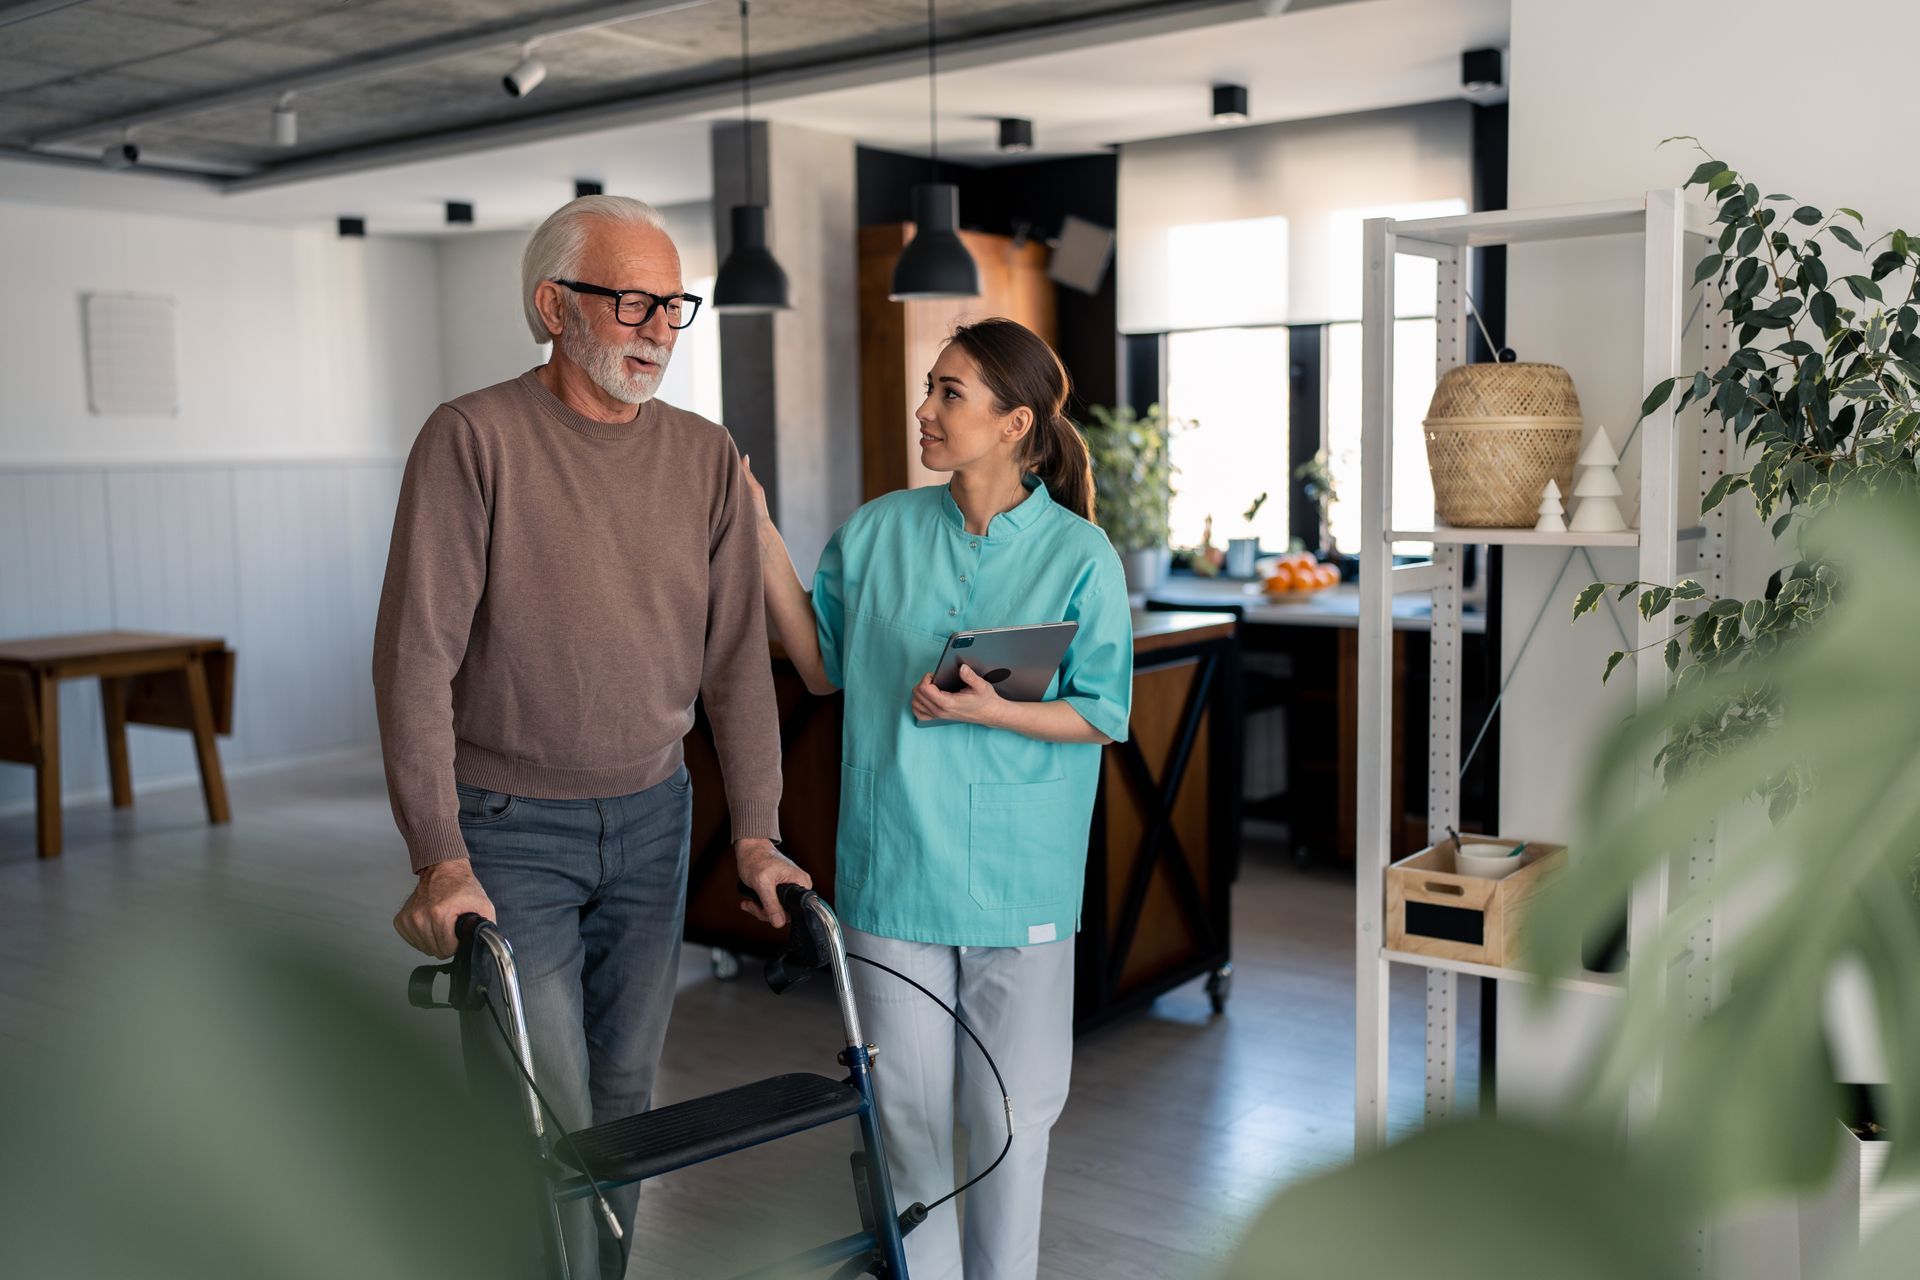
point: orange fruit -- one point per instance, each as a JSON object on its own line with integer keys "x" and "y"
{"x": 1283, "y": 578}
{"x": 1329, "y": 575}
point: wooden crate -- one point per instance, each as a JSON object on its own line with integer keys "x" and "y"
{"x": 1433, "y": 910}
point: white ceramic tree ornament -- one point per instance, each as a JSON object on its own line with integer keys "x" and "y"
{"x": 1551, "y": 509}
{"x": 1597, "y": 487}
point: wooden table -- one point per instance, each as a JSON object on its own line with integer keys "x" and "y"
{"x": 170, "y": 681}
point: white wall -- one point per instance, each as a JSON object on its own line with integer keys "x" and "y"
{"x": 292, "y": 343}
{"x": 1594, "y": 90}
{"x": 260, "y": 513}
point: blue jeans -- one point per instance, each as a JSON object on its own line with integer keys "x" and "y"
{"x": 591, "y": 894}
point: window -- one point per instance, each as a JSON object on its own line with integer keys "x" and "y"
{"x": 1227, "y": 273}
{"x": 1233, "y": 383}
{"x": 1413, "y": 379}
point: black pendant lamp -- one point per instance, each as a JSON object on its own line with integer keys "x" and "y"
{"x": 935, "y": 264}
{"x": 750, "y": 281}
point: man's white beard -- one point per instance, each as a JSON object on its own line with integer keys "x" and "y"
{"x": 607, "y": 365}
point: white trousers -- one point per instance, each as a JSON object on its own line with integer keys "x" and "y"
{"x": 929, "y": 1076}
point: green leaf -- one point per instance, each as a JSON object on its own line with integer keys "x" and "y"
{"x": 1708, "y": 266}
{"x": 1749, "y": 239}
{"x": 1863, "y": 288}
{"x": 1673, "y": 655}
{"x": 1700, "y": 634}
{"x": 1727, "y": 633}
{"x": 1851, "y": 214}
{"x": 1652, "y": 602}
{"x": 1807, "y": 214}
{"x": 1613, "y": 660}
{"x": 1657, "y": 396}
{"x": 1589, "y": 597}
{"x": 1752, "y": 614}
{"x": 1721, "y": 488}
{"x": 1816, "y": 271}
{"x": 1627, "y": 590}
{"x": 1780, "y": 525}
{"x": 1846, "y": 237}
{"x": 1860, "y": 389}
{"x": 1886, "y": 264}
{"x": 1794, "y": 348}
{"x": 1689, "y": 590}
{"x": 1822, "y": 310}
{"x": 1900, "y": 242}
{"x": 1707, "y": 170}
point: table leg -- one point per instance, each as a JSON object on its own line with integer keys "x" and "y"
{"x": 46, "y": 771}
{"x": 113, "y": 704}
{"x": 212, "y": 782}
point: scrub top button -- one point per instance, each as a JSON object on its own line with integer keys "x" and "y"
{"x": 951, "y": 612}
{"x": 974, "y": 545}
{"x": 963, "y": 577}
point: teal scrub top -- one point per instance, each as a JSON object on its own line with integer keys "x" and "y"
{"x": 951, "y": 833}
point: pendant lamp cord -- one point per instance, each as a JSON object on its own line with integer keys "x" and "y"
{"x": 746, "y": 108}
{"x": 933, "y": 127}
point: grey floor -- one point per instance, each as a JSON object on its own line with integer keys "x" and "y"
{"x": 1179, "y": 1127}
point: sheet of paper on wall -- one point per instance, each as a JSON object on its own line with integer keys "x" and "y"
{"x": 132, "y": 365}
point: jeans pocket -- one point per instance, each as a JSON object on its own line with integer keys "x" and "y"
{"x": 680, "y": 782}
{"x": 854, "y": 858}
{"x": 1014, "y": 840}
{"x": 480, "y": 807}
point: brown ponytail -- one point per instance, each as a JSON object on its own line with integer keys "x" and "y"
{"x": 1022, "y": 370}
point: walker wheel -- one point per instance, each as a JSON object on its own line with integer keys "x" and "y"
{"x": 1220, "y": 986}
{"x": 726, "y": 964}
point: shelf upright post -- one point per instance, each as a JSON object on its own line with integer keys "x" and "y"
{"x": 1664, "y": 292}
{"x": 1443, "y": 702}
{"x": 1373, "y": 794}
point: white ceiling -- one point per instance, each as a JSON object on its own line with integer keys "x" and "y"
{"x": 1326, "y": 60}
{"x": 1319, "y": 62}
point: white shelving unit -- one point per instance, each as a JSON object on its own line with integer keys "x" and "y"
{"x": 1664, "y": 219}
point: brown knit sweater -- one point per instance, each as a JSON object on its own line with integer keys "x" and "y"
{"x": 558, "y": 592}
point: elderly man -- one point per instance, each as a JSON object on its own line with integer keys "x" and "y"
{"x": 573, "y": 561}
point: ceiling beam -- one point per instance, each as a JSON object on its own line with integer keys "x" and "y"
{"x": 768, "y": 87}
{"x": 22, "y": 10}
{"x": 580, "y": 17}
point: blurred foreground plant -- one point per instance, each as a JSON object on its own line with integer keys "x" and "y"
{"x": 1748, "y": 1101}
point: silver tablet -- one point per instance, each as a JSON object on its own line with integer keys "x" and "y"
{"x": 1019, "y": 662}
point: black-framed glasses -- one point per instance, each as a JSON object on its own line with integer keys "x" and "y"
{"x": 635, "y": 307}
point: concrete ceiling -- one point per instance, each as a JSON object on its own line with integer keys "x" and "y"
{"x": 67, "y": 65}
{"x": 1090, "y": 74}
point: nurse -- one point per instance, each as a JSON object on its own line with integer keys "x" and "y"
{"x": 964, "y": 817}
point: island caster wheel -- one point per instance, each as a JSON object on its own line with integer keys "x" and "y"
{"x": 1220, "y": 986}
{"x": 726, "y": 965}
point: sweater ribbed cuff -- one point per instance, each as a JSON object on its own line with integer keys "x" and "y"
{"x": 755, "y": 820}
{"x": 435, "y": 840}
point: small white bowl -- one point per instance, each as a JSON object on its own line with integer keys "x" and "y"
{"x": 1487, "y": 861}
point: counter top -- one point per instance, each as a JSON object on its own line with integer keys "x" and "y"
{"x": 1334, "y": 607}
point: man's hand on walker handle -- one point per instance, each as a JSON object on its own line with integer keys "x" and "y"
{"x": 445, "y": 892}
{"x": 764, "y": 869}
{"x": 978, "y": 703}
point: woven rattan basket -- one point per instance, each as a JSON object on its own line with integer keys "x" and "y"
{"x": 1496, "y": 433}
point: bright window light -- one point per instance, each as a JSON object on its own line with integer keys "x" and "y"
{"x": 1234, "y": 384}
{"x": 1227, "y": 273}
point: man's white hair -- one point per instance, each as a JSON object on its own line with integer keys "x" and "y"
{"x": 555, "y": 251}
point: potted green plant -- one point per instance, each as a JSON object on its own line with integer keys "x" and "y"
{"x": 1133, "y": 486}
{"x": 1822, "y": 386}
